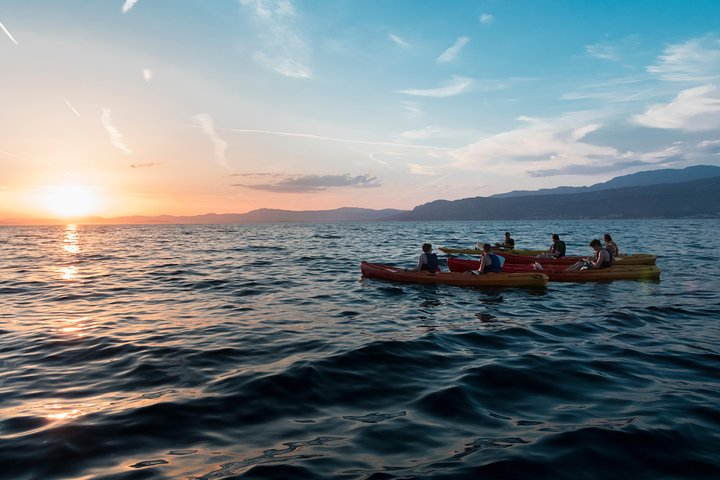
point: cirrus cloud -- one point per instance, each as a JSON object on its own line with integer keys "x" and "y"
{"x": 455, "y": 86}
{"x": 451, "y": 53}
{"x": 282, "y": 48}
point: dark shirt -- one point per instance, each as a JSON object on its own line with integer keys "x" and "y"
{"x": 558, "y": 249}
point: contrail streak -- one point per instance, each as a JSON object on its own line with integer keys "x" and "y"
{"x": 72, "y": 108}
{"x": 8, "y": 33}
{"x": 331, "y": 139}
{"x": 9, "y": 154}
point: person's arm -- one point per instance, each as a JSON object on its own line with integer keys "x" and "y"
{"x": 421, "y": 261}
{"x": 601, "y": 257}
{"x": 481, "y": 268}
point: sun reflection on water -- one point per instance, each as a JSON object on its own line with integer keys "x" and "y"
{"x": 69, "y": 272}
{"x": 74, "y": 326}
{"x": 71, "y": 241}
{"x": 71, "y": 245}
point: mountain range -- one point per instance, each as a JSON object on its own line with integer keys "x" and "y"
{"x": 692, "y": 192}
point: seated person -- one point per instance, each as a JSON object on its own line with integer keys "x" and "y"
{"x": 427, "y": 261}
{"x": 508, "y": 243}
{"x": 603, "y": 258}
{"x": 612, "y": 246}
{"x": 557, "y": 249}
{"x": 489, "y": 262}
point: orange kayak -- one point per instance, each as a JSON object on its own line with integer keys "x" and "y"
{"x": 397, "y": 274}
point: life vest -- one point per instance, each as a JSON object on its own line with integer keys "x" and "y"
{"x": 431, "y": 263}
{"x": 495, "y": 264}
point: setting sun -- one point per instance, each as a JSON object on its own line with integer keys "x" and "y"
{"x": 71, "y": 200}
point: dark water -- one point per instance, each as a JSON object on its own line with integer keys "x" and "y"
{"x": 256, "y": 351}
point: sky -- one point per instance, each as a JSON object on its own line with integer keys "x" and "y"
{"x": 148, "y": 107}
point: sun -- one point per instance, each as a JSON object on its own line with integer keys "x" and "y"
{"x": 69, "y": 201}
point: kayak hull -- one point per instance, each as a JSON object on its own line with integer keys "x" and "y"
{"x": 558, "y": 273}
{"x": 397, "y": 274}
{"x": 636, "y": 259}
{"x": 499, "y": 251}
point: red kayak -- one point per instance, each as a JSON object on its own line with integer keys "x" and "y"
{"x": 559, "y": 273}
{"x": 505, "y": 279}
{"x": 636, "y": 259}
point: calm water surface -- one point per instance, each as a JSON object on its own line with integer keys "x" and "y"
{"x": 257, "y": 351}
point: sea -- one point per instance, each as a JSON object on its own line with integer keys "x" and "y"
{"x": 257, "y": 351}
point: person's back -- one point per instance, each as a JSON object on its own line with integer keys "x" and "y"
{"x": 427, "y": 261}
{"x": 611, "y": 245}
{"x": 558, "y": 247}
{"x": 489, "y": 261}
{"x": 509, "y": 241}
{"x": 430, "y": 263}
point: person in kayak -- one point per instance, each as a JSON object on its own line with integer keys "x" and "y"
{"x": 427, "y": 261}
{"x": 489, "y": 262}
{"x": 508, "y": 243}
{"x": 557, "y": 249}
{"x": 603, "y": 258}
{"x": 610, "y": 245}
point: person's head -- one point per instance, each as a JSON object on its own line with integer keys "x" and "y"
{"x": 607, "y": 237}
{"x": 507, "y": 234}
{"x": 555, "y": 237}
{"x": 487, "y": 248}
{"x": 595, "y": 244}
{"x": 427, "y": 248}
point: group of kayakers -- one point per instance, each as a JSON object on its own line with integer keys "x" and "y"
{"x": 491, "y": 262}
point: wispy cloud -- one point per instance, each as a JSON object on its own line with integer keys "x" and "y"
{"x": 261, "y": 174}
{"x": 412, "y": 110}
{"x": 451, "y": 53}
{"x": 588, "y": 169}
{"x": 537, "y": 145}
{"x": 487, "y": 18}
{"x": 9, "y": 154}
{"x": 418, "y": 169}
{"x": 603, "y": 51}
{"x": 711, "y": 147}
{"x": 331, "y": 139}
{"x": 694, "y": 110}
{"x": 455, "y": 86}
{"x": 675, "y": 154}
{"x": 617, "y": 90}
{"x": 206, "y": 125}
{"x": 145, "y": 165}
{"x": 313, "y": 183}
{"x": 283, "y": 48}
{"x": 72, "y": 108}
{"x": 433, "y": 132}
{"x": 399, "y": 41}
{"x": 697, "y": 60}
{"x": 128, "y": 5}
{"x": 8, "y": 33}
{"x": 147, "y": 74}
{"x": 116, "y": 138}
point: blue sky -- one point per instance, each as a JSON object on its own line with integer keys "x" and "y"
{"x": 188, "y": 107}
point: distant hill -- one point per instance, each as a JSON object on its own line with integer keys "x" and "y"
{"x": 693, "y": 192}
{"x": 694, "y": 199}
{"x": 639, "y": 179}
{"x": 346, "y": 214}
